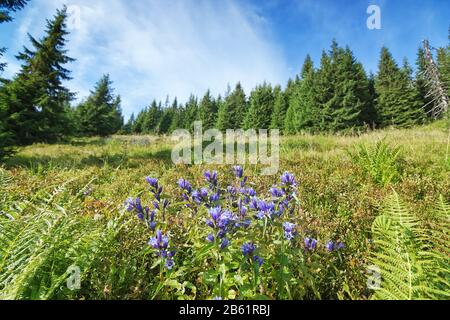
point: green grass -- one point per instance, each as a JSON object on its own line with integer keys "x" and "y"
{"x": 47, "y": 223}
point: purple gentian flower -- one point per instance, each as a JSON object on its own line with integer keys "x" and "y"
{"x": 238, "y": 171}
{"x": 225, "y": 243}
{"x": 289, "y": 230}
{"x": 258, "y": 260}
{"x": 169, "y": 264}
{"x": 215, "y": 213}
{"x": 185, "y": 185}
{"x": 214, "y": 197}
{"x": 288, "y": 179}
{"x": 276, "y": 193}
{"x": 248, "y": 248}
{"x": 152, "y": 182}
{"x": 211, "y": 177}
{"x": 310, "y": 244}
{"x": 210, "y": 238}
{"x": 330, "y": 246}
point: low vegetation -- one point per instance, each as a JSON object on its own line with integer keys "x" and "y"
{"x": 346, "y": 204}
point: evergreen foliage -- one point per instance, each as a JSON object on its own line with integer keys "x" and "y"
{"x": 101, "y": 113}
{"x": 34, "y": 102}
{"x": 397, "y": 100}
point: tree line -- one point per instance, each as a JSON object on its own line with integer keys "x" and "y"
{"x": 337, "y": 95}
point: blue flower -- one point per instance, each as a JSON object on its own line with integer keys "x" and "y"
{"x": 160, "y": 242}
{"x": 258, "y": 260}
{"x": 225, "y": 243}
{"x": 210, "y": 238}
{"x": 310, "y": 244}
{"x": 289, "y": 230}
{"x": 210, "y": 223}
{"x": 238, "y": 171}
{"x": 254, "y": 203}
{"x": 276, "y": 193}
{"x": 248, "y": 249}
{"x": 265, "y": 209}
{"x": 211, "y": 177}
{"x": 288, "y": 179}
{"x": 232, "y": 190}
{"x": 215, "y": 213}
{"x": 200, "y": 196}
{"x": 243, "y": 211}
{"x": 152, "y": 182}
{"x": 185, "y": 185}
{"x": 214, "y": 197}
{"x": 169, "y": 264}
{"x": 224, "y": 220}
{"x": 251, "y": 192}
{"x": 330, "y": 246}
{"x": 340, "y": 246}
{"x": 136, "y": 206}
{"x": 152, "y": 223}
{"x": 217, "y": 298}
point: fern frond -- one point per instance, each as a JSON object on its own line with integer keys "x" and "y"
{"x": 409, "y": 256}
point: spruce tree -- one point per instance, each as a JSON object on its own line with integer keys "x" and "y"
{"x": 165, "y": 121}
{"x": 343, "y": 102}
{"x": 208, "y": 111}
{"x": 443, "y": 64}
{"x": 151, "y": 118}
{"x": 369, "y": 115}
{"x": 176, "y": 122}
{"x": 128, "y": 126}
{"x": 233, "y": 109}
{"x": 303, "y": 114}
{"x": 191, "y": 113}
{"x": 100, "y": 114}
{"x": 279, "y": 109}
{"x": 323, "y": 87}
{"x": 351, "y": 94}
{"x": 397, "y": 99}
{"x": 138, "y": 126}
{"x": 34, "y": 102}
{"x": 259, "y": 114}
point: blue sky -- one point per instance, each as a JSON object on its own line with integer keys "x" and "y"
{"x": 155, "y": 48}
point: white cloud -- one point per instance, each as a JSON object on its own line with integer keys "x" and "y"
{"x": 155, "y": 48}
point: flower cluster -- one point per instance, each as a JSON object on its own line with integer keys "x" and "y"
{"x": 143, "y": 213}
{"x": 230, "y": 210}
{"x": 334, "y": 246}
{"x": 186, "y": 187}
{"x": 289, "y": 230}
{"x": 161, "y": 243}
{"x": 310, "y": 244}
{"x": 156, "y": 190}
{"x": 248, "y": 250}
{"x": 221, "y": 222}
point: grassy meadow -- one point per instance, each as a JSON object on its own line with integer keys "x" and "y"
{"x": 62, "y": 205}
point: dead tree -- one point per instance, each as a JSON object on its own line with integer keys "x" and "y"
{"x": 437, "y": 89}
